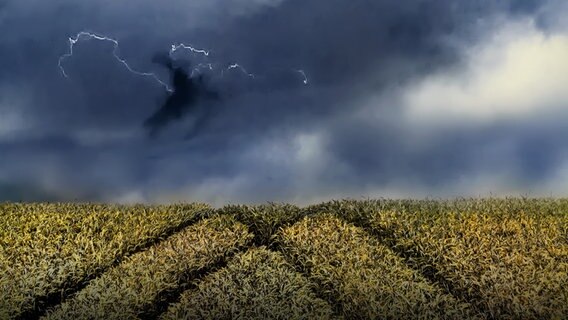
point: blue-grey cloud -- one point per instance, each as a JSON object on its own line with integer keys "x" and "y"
{"x": 268, "y": 138}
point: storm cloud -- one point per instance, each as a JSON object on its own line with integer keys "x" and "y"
{"x": 400, "y": 99}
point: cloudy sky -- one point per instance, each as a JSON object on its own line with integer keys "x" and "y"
{"x": 415, "y": 98}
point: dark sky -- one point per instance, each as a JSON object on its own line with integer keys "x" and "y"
{"x": 414, "y": 98}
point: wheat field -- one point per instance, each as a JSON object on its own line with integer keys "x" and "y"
{"x": 348, "y": 259}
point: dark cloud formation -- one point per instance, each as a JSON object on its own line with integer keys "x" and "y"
{"x": 268, "y": 138}
{"x": 187, "y": 92}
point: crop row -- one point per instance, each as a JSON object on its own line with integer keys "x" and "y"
{"x": 401, "y": 259}
{"x": 257, "y": 284}
{"x": 49, "y": 250}
{"x": 507, "y": 257}
{"x": 363, "y": 277}
{"x": 140, "y": 285}
{"x": 266, "y": 219}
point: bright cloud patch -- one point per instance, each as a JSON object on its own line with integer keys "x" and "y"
{"x": 12, "y": 121}
{"x": 519, "y": 72}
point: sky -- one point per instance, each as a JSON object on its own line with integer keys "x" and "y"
{"x": 286, "y": 100}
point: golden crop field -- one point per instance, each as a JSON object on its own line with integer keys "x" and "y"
{"x": 408, "y": 259}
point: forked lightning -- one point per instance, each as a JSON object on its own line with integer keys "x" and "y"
{"x": 88, "y": 35}
{"x": 84, "y": 35}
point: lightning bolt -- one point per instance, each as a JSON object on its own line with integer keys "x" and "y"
{"x": 206, "y": 53}
{"x": 200, "y": 66}
{"x": 303, "y": 73}
{"x": 88, "y": 35}
{"x": 173, "y": 49}
{"x": 187, "y": 47}
{"x": 241, "y": 68}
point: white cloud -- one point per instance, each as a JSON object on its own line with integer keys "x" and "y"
{"x": 130, "y": 197}
{"x": 297, "y": 162}
{"x": 10, "y": 123}
{"x": 557, "y": 185}
{"x": 300, "y": 153}
{"x": 216, "y": 191}
{"x": 518, "y": 72}
{"x": 310, "y": 153}
{"x": 12, "y": 119}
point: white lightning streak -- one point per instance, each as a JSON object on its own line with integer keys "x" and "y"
{"x": 306, "y": 80}
{"x": 200, "y": 66}
{"x": 187, "y": 47}
{"x": 84, "y": 34}
{"x": 173, "y": 49}
{"x": 243, "y": 70}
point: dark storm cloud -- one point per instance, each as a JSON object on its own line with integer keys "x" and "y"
{"x": 83, "y": 136}
{"x": 187, "y": 92}
{"x": 347, "y": 47}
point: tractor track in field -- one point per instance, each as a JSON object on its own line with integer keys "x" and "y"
{"x": 512, "y": 226}
{"x": 43, "y": 304}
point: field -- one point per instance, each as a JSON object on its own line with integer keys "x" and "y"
{"x": 407, "y": 259}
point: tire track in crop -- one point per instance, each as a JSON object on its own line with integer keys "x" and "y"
{"x": 257, "y": 283}
{"x": 385, "y": 237}
{"x": 433, "y": 240}
{"x": 361, "y": 277}
{"x": 265, "y": 220}
{"x": 145, "y": 283}
{"x": 169, "y": 298}
{"x": 42, "y": 305}
{"x": 354, "y": 212}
